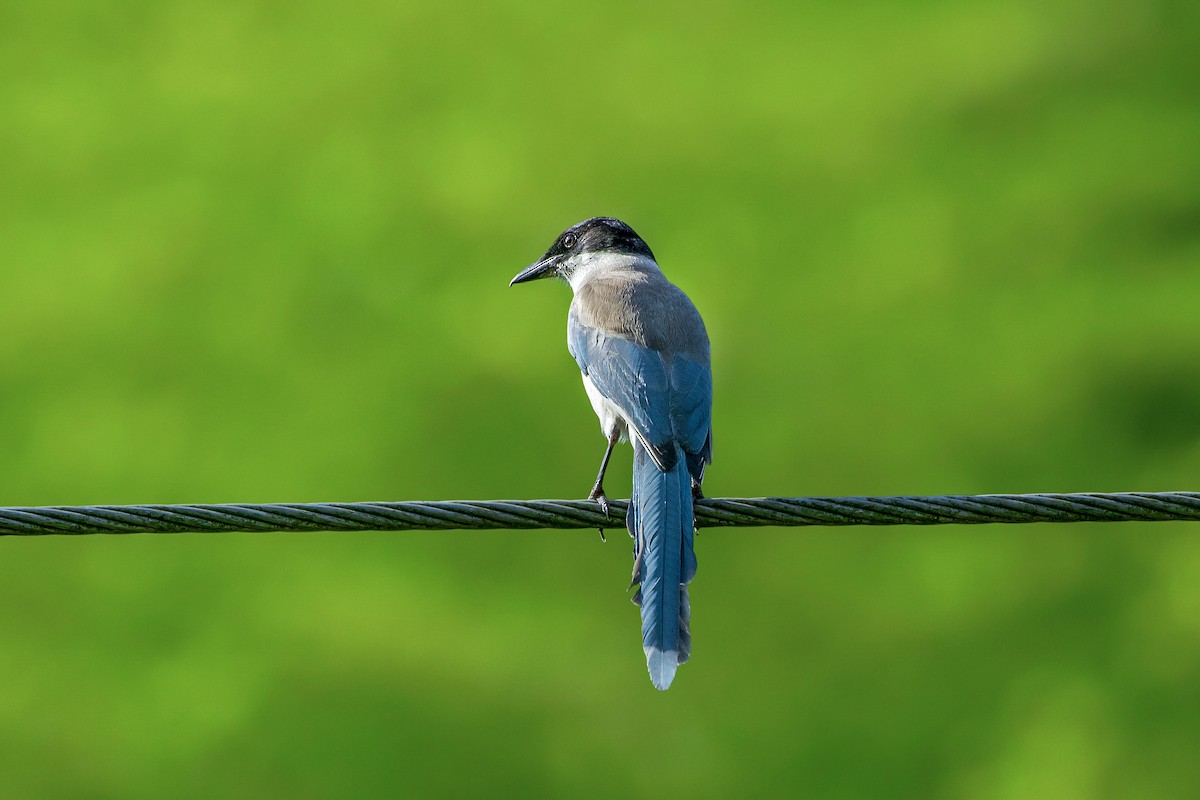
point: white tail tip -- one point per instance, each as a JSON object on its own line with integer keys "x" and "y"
{"x": 661, "y": 665}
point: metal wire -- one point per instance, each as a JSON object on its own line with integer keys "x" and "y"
{"x": 530, "y": 514}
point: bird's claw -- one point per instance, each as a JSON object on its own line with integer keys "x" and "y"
{"x": 597, "y": 494}
{"x": 600, "y": 498}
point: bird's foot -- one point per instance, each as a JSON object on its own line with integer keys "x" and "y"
{"x": 598, "y": 495}
{"x": 601, "y": 499}
{"x": 696, "y": 493}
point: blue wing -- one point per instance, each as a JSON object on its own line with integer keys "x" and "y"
{"x": 668, "y": 403}
{"x": 632, "y": 377}
{"x": 691, "y": 406}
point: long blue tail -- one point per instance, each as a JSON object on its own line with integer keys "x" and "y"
{"x": 660, "y": 522}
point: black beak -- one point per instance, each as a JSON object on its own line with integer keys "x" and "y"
{"x": 542, "y": 269}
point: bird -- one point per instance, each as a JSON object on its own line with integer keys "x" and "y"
{"x": 643, "y": 352}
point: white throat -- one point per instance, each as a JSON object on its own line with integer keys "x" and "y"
{"x": 591, "y": 265}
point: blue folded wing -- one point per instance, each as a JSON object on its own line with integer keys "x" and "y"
{"x": 632, "y": 377}
{"x": 691, "y": 405}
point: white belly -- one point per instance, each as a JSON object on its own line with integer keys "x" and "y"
{"x": 612, "y": 419}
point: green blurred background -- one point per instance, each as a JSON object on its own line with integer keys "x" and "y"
{"x": 258, "y": 251}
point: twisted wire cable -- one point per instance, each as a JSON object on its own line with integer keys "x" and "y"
{"x": 568, "y": 514}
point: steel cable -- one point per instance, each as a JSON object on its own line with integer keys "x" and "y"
{"x": 567, "y": 514}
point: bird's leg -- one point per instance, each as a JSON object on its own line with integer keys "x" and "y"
{"x": 597, "y": 492}
{"x": 696, "y": 495}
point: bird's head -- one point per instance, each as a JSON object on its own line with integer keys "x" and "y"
{"x": 577, "y": 243}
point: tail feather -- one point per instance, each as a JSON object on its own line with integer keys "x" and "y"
{"x": 661, "y": 523}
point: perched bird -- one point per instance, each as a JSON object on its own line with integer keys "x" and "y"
{"x": 643, "y": 351}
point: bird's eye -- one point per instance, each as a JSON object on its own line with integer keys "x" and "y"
{"x": 568, "y": 241}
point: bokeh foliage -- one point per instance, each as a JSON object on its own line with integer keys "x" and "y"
{"x": 257, "y": 251}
